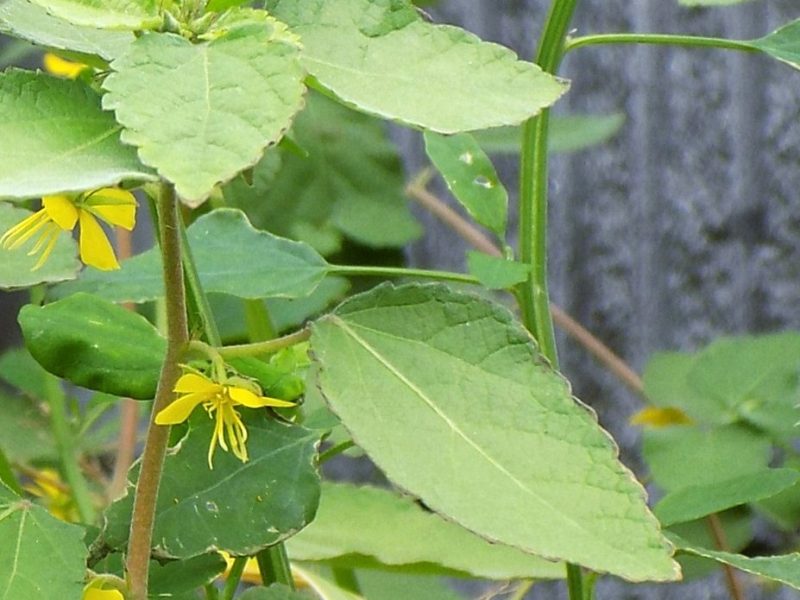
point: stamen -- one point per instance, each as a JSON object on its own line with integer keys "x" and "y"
{"x": 22, "y": 231}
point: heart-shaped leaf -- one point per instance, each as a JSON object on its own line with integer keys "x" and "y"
{"x": 219, "y": 103}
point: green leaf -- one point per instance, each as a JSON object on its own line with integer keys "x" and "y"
{"x": 95, "y": 344}
{"x": 383, "y": 585}
{"x": 20, "y": 370}
{"x": 273, "y": 592}
{"x": 693, "y": 502}
{"x": 133, "y": 15}
{"x": 24, "y": 431}
{"x": 224, "y": 245}
{"x": 496, "y": 273}
{"x": 41, "y": 558}
{"x": 783, "y": 44}
{"x": 62, "y": 140}
{"x": 436, "y": 77}
{"x": 22, "y": 19}
{"x": 361, "y": 526}
{"x": 7, "y": 476}
{"x": 737, "y": 526}
{"x": 756, "y": 378}
{"x": 750, "y": 379}
{"x": 220, "y": 103}
{"x": 568, "y": 133}
{"x": 323, "y": 586}
{"x": 16, "y": 266}
{"x": 237, "y": 507}
{"x": 784, "y": 508}
{"x": 286, "y": 313}
{"x": 448, "y": 395}
{"x": 684, "y": 456}
{"x": 350, "y": 182}
{"x": 181, "y": 576}
{"x": 471, "y": 177}
{"x": 784, "y": 568}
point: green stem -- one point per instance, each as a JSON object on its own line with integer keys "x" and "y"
{"x": 660, "y": 40}
{"x": 273, "y": 564}
{"x": 522, "y": 590}
{"x": 234, "y": 577}
{"x": 211, "y": 592}
{"x": 155, "y": 446}
{"x": 359, "y": 271}
{"x": 65, "y": 442}
{"x": 575, "y": 583}
{"x": 533, "y": 295}
{"x": 265, "y": 347}
{"x": 201, "y": 319}
{"x": 334, "y": 450}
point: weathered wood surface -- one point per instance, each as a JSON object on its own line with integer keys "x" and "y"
{"x": 687, "y": 225}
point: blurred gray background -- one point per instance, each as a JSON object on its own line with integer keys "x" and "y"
{"x": 686, "y": 226}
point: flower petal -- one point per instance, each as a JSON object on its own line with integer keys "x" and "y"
{"x": 96, "y": 250}
{"x": 56, "y": 65}
{"x": 180, "y": 409}
{"x": 191, "y": 383}
{"x": 251, "y": 400}
{"x": 113, "y": 205}
{"x": 62, "y": 210}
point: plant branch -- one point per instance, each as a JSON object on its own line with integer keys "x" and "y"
{"x": 721, "y": 542}
{"x": 265, "y": 347}
{"x": 690, "y": 41}
{"x": 273, "y": 564}
{"x": 233, "y": 578}
{"x": 152, "y": 461}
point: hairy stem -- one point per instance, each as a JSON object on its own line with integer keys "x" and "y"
{"x": 155, "y": 446}
{"x": 690, "y": 41}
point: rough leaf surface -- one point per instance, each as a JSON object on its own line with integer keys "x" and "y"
{"x": 373, "y": 523}
{"x": 57, "y": 139}
{"x": 383, "y": 59}
{"x": 232, "y": 257}
{"x": 23, "y": 19}
{"x": 219, "y": 104}
{"x": 448, "y": 395}
{"x": 237, "y": 507}
{"x": 41, "y": 558}
{"x": 130, "y": 15}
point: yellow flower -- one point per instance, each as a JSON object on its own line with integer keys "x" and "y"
{"x": 55, "y": 495}
{"x": 104, "y": 587}
{"x": 62, "y": 213}
{"x": 655, "y": 416}
{"x": 98, "y": 594}
{"x": 220, "y": 401}
{"x": 61, "y": 67}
